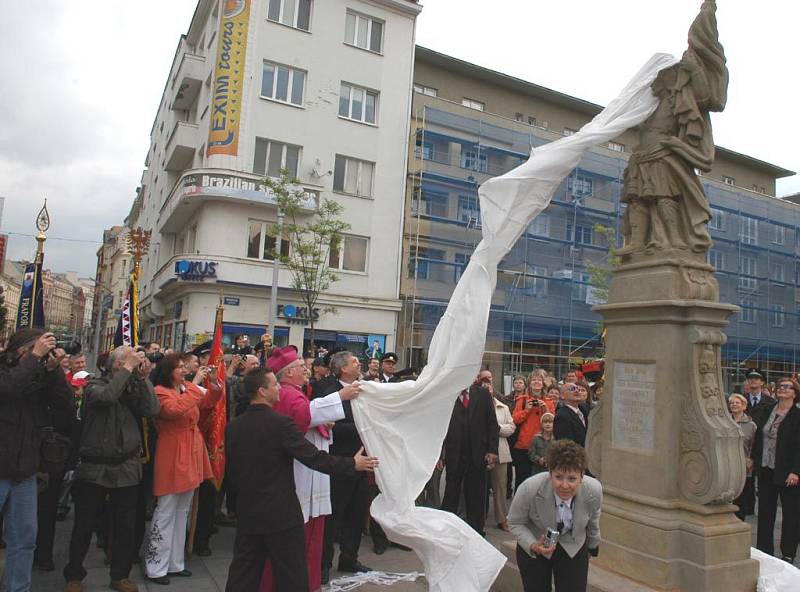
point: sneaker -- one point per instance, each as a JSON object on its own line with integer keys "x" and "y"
{"x": 74, "y": 586}
{"x": 123, "y": 585}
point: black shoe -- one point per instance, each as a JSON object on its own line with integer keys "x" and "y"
{"x": 184, "y": 573}
{"x": 203, "y": 551}
{"x": 379, "y": 547}
{"x": 326, "y": 575}
{"x": 354, "y": 567}
{"x": 401, "y": 547}
{"x": 162, "y": 581}
{"x": 788, "y": 559}
{"x": 45, "y": 565}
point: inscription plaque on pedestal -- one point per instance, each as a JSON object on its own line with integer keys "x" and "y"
{"x": 634, "y": 410}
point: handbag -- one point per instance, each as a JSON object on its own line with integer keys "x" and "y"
{"x": 55, "y": 451}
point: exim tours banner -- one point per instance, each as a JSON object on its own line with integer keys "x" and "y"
{"x": 226, "y": 103}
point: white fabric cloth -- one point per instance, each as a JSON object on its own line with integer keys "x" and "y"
{"x": 165, "y": 547}
{"x": 404, "y": 424}
{"x": 775, "y": 575}
{"x": 507, "y": 427}
{"x": 313, "y": 488}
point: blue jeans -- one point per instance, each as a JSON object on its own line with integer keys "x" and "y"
{"x": 18, "y": 500}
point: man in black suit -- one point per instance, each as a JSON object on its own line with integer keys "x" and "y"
{"x": 759, "y": 405}
{"x": 469, "y": 446}
{"x": 571, "y": 419}
{"x": 260, "y": 446}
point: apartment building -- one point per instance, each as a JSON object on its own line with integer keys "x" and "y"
{"x": 470, "y": 123}
{"x": 321, "y": 88}
{"x": 110, "y": 286}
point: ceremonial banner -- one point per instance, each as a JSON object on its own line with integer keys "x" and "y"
{"x": 214, "y": 428}
{"x": 226, "y": 102}
{"x": 31, "y": 298}
{"x": 128, "y": 324}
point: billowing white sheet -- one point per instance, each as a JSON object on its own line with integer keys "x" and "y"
{"x": 405, "y": 424}
{"x": 775, "y": 575}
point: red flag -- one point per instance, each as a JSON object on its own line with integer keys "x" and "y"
{"x": 217, "y": 417}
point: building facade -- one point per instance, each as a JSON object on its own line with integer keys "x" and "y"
{"x": 110, "y": 287}
{"x": 11, "y": 286}
{"x": 318, "y": 88}
{"x": 470, "y": 124}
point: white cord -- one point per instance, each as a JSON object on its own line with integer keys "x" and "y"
{"x": 381, "y": 578}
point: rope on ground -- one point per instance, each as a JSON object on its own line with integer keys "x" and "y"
{"x": 380, "y": 578}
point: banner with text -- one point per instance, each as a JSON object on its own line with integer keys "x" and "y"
{"x": 226, "y": 103}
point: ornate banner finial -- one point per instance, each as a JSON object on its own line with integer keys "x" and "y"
{"x": 43, "y": 218}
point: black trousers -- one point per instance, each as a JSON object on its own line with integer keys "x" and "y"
{"x": 206, "y": 510}
{"x": 144, "y": 501}
{"x": 287, "y": 552}
{"x": 768, "y": 494}
{"x": 47, "y": 507}
{"x": 747, "y": 499}
{"x": 375, "y": 529}
{"x": 522, "y": 466}
{"x": 349, "y": 502}
{"x": 473, "y": 481}
{"x": 571, "y": 573}
{"x": 88, "y": 498}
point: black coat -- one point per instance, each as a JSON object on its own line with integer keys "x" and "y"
{"x": 787, "y": 447}
{"x": 260, "y": 447}
{"x": 346, "y": 440}
{"x": 31, "y": 398}
{"x": 567, "y": 425}
{"x": 473, "y": 432}
{"x": 761, "y": 410}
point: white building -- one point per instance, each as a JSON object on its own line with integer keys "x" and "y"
{"x": 322, "y": 87}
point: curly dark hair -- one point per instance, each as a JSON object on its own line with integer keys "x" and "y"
{"x": 567, "y": 456}
{"x": 163, "y": 372}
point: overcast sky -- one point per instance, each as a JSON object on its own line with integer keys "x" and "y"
{"x": 81, "y": 80}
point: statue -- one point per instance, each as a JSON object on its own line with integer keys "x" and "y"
{"x": 667, "y": 208}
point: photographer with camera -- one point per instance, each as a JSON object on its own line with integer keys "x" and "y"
{"x": 31, "y": 387}
{"x": 110, "y": 447}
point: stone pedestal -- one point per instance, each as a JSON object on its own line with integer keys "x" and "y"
{"x": 670, "y": 458}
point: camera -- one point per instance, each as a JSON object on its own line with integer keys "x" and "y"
{"x": 154, "y": 357}
{"x": 70, "y": 347}
{"x": 551, "y": 538}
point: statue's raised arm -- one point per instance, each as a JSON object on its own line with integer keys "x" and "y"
{"x": 667, "y": 210}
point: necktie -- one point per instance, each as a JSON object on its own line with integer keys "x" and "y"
{"x": 465, "y": 399}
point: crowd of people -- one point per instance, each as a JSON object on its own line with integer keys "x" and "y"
{"x": 127, "y": 443}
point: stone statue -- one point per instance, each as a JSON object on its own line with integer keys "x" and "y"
{"x": 667, "y": 208}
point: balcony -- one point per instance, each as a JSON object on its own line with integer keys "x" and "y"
{"x": 198, "y": 187}
{"x": 181, "y": 145}
{"x": 188, "y": 81}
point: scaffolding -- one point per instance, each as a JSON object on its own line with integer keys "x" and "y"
{"x": 541, "y": 311}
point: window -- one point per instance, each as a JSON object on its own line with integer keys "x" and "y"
{"x": 531, "y": 121}
{"x": 717, "y": 221}
{"x": 748, "y": 314}
{"x": 473, "y": 104}
{"x": 469, "y": 210}
{"x": 474, "y": 159}
{"x": 580, "y": 285}
{"x": 281, "y": 83}
{"x": 540, "y": 226}
{"x": 461, "y": 259}
{"x": 363, "y": 31}
{"x": 519, "y": 117}
{"x": 583, "y": 234}
{"x": 777, "y": 315}
{"x": 728, "y": 180}
{"x": 419, "y": 262}
{"x": 748, "y": 230}
{"x": 616, "y": 147}
{"x": 353, "y": 176}
{"x": 260, "y": 245}
{"x": 776, "y": 272}
{"x": 271, "y": 156}
{"x": 537, "y": 284}
{"x": 567, "y": 132}
{"x": 351, "y": 254}
{"x": 358, "y": 104}
{"x": 428, "y": 151}
{"x": 778, "y": 234}
{"x": 434, "y": 203}
{"x": 292, "y": 13}
{"x": 191, "y": 238}
{"x": 717, "y": 259}
{"x": 747, "y": 272}
{"x": 426, "y": 90}
{"x": 580, "y": 186}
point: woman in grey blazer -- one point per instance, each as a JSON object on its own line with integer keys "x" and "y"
{"x": 565, "y": 500}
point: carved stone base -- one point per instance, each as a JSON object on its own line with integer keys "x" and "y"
{"x": 675, "y": 545}
{"x": 673, "y": 278}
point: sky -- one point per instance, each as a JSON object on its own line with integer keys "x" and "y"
{"x": 81, "y": 82}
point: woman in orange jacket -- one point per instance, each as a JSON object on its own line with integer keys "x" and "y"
{"x": 527, "y": 415}
{"x": 181, "y": 463}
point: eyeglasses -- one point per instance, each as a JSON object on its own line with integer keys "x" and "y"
{"x": 786, "y": 386}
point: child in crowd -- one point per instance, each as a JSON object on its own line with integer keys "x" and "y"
{"x": 540, "y": 444}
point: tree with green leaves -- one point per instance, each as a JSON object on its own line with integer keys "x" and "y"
{"x": 600, "y": 270}
{"x": 314, "y": 228}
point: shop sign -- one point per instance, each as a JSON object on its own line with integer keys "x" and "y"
{"x": 195, "y": 270}
{"x": 218, "y": 185}
{"x": 298, "y": 315}
{"x": 230, "y": 301}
